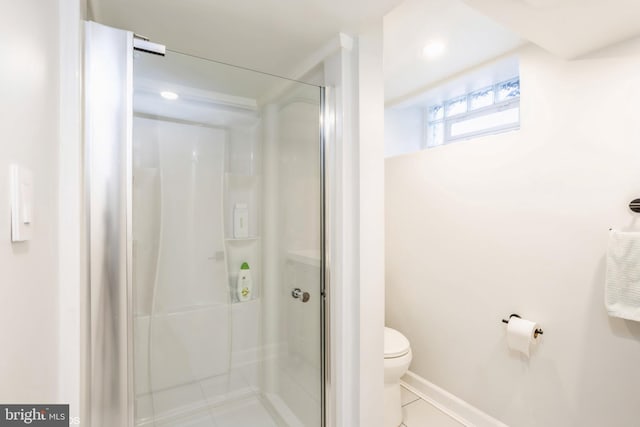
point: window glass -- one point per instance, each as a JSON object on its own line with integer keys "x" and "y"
{"x": 481, "y": 98}
{"x": 436, "y": 112}
{"x": 456, "y": 106}
{"x": 435, "y": 135}
{"x": 478, "y": 125}
{"x": 489, "y": 110}
{"x": 508, "y": 90}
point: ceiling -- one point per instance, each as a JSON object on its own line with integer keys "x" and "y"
{"x": 566, "y": 28}
{"x": 276, "y": 36}
{"x": 272, "y": 36}
{"x": 477, "y": 31}
{"x": 470, "y": 38}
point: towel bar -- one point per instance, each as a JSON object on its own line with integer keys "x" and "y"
{"x": 535, "y": 333}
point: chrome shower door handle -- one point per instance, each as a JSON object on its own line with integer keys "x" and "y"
{"x": 298, "y": 294}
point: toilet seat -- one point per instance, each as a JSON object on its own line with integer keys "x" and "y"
{"x": 395, "y": 344}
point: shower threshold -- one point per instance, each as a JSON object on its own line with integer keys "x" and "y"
{"x": 250, "y": 410}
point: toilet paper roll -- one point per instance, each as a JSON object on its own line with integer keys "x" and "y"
{"x": 520, "y": 335}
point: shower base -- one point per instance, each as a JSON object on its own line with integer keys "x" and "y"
{"x": 249, "y": 411}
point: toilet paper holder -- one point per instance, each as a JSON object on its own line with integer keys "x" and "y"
{"x": 535, "y": 333}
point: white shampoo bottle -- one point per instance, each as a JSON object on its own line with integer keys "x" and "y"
{"x": 244, "y": 286}
{"x": 241, "y": 221}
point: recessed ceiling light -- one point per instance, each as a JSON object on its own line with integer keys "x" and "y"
{"x": 433, "y": 49}
{"x": 169, "y": 95}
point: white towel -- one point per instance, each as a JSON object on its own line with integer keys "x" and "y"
{"x": 622, "y": 290}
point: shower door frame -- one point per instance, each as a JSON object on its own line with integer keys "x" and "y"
{"x": 108, "y": 93}
{"x": 109, "y": 365}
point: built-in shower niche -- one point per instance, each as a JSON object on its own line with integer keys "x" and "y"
{"x": 242, "y": 189}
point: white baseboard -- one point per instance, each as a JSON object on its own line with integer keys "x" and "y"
{"x": 451, "y": 405}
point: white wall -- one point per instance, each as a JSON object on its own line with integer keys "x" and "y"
{"x": 71, "y": 269}
{"x": 355, "y": 170}
{"x": 29, "y": 113}
{"x": 340, "y": 159}
{"x": 370, "y": 131}
{"x": 403, "y": 130}
{"x": 518, "y": 222}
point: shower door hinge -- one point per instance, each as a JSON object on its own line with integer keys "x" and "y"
{"x": 143, "y": 44}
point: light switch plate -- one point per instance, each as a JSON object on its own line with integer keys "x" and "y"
{"x": 21, "y": 203}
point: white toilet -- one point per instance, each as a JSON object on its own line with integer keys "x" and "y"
{"x": 397, "y": 357}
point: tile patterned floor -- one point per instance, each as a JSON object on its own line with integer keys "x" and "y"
{"x": 420, "y": 413}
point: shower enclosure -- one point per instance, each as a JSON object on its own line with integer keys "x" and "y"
{"x": 206, "y": 216}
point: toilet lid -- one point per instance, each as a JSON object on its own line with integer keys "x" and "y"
{"x": 395, "y": 344}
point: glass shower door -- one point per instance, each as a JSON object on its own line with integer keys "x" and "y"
{"x": 226, "y": 234}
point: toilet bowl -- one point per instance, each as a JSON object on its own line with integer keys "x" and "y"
{"x": 397, "y": 357}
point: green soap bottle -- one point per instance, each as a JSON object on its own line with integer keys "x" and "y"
{"x": 244, "y": 286}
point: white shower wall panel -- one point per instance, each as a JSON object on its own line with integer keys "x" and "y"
{"x": 141, "y": 354}
{"x": 189, "y": 346}
{"x": 244, "y": 149}
{"x": 182, "y": 328}
{"x": 303, "y": 345}
{"x": 245, "y": 332}
{"x": 146, "y": 225}
{"x": 299, "y": 177}
{"x": 191, "y": 270}
{"x": 292, "y": 218}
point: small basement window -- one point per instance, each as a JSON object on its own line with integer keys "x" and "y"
{"x": 493, "y": 109}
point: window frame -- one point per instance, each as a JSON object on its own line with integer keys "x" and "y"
{"x": 448, "y": 122}
{"x": 508, "y": 104}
